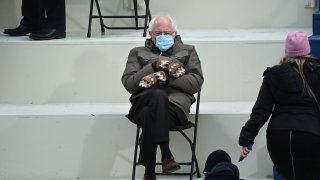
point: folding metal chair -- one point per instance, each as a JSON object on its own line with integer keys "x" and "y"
{"x": 192, "y": 144}
{"x": 146, "y": 17}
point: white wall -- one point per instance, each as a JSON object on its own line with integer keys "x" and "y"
{"x": 69, "y": 147}
{"x": 61, "y": 73}
{"x": 190, "y": 14}
{"x": 102, "y": 146}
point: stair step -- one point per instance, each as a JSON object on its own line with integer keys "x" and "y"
{"x": 80, "y": 69}
{"x": 94, "y": 109}
{"x": 195, "y": 36}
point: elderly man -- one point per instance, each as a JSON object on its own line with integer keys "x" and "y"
{"x": 162, "y": 77}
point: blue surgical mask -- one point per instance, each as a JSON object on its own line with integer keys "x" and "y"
{"x": 164, "y": 42}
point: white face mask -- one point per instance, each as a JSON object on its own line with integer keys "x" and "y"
{"x": 164, "y": 42}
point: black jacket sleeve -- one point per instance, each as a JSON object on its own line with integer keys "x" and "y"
{"x": 260, "y": 114}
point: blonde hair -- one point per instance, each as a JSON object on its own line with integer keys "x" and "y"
{"x": 300, "y": 61}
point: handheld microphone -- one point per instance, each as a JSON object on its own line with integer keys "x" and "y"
{"x": 242, "y": 157}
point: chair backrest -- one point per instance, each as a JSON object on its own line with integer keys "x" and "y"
{"x": 197, "y": 111}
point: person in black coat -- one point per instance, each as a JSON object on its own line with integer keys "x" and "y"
{"x": 43, "y": 19}
{"x": 289, "y": 92}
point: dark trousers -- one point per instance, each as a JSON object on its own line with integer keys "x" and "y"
{"x": 44, "y": 14}
{"x": 156, "y": 115}
{"x": 296, "y": 154}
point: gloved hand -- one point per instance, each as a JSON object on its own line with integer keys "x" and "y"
{"x": 153, "y": 78}
{"x": 175, "y": 70}
{"x": 160, "y": 65}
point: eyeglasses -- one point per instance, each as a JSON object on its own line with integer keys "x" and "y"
{"x": 159, "y": 33}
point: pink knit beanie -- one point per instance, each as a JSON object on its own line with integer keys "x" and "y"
{"x": 297, "y": 44}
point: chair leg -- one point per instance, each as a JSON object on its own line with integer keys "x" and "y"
{"x": 146, "y": 18}
{"x": 100, "y": 16}
{"x": 197, "y": 167}
{"x": 149, "y": 13}
{"x": 194, "y": 160}
{"x": 90, "y": 19}
{"x": 135, "y": 154}
{"x": 135, "y": 4}
{"x": 147, "y": 7}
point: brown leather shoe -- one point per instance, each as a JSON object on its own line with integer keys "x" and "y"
{"x": 170, "y": 165}
{"x": 146, "y": 177}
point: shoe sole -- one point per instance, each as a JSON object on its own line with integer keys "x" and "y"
{"x": 172, "y": 169}
{"x": 16, "y": 35}
{"x": 58, "y": 36}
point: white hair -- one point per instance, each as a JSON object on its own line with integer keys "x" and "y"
{"x": 154, "y": 19}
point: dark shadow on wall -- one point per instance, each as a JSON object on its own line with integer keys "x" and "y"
{"x": 10, "y": 13}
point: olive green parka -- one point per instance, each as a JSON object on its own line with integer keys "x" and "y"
{"x": 180, "y": 90}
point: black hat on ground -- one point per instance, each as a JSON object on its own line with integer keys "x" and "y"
{"x": 214, "y": 158}
{"x": 223, "y": 171}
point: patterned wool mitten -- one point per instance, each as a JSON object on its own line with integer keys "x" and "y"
{"x": 175, "y": 70}
{"x": 161, "y": 76}
{"x": 151, "y": 79}
{"x": 160, "y": 65}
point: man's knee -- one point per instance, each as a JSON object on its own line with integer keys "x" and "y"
{"x": 158, "y": 94}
